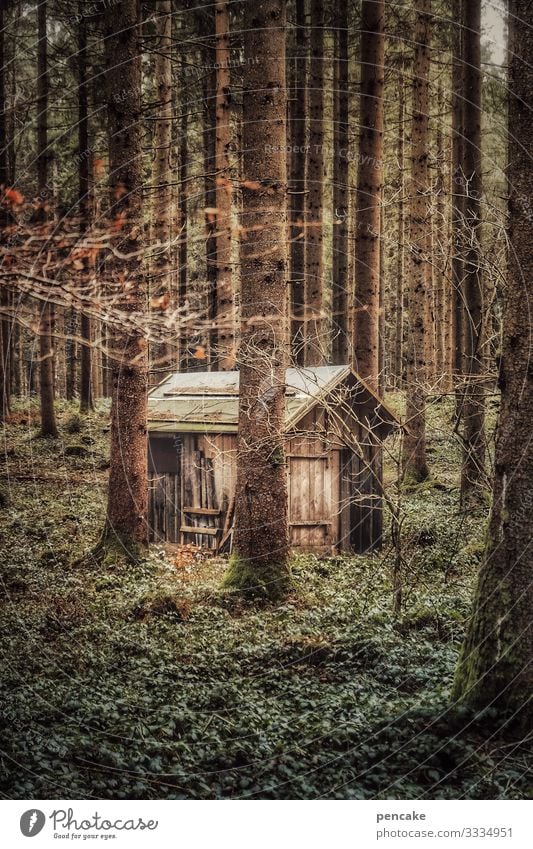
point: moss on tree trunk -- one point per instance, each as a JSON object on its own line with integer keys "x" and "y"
{"x": 261, "y": 534}
{"x": 495, "y": 667}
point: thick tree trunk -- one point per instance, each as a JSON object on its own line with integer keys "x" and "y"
{"x": 414, "y": 448}
{"x": 225, "y": 301}
{"x": 260, "y": 558}
{"x": 495, "y": 666}
{"x": 297, "y": 170}
{"x": 314, "y": 354}
{"x": 340, "y": 282}
{"x": 162, "y": 204}
{"x": 126, "y": 527}
{"x": 473, "y": 471}
{"x": 86, "y": 395}
{"x": 369, "y": 186}
{"x": 457, "y": 199}
{"x": 46, "y": 351}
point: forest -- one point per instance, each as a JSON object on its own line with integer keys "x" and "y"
{"x": 266, "y": 482}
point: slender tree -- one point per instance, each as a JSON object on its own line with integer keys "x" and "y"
{"x": 473, "y": 473}
{"x": 297, "y": 170}
{"x": 126, "y": 527}
{"x": 162, "y": 205}
{"x": 457, "y": 198}
{"x": 261, "y": 536}
{"x": 495, "y": 666}
{"x": 5, "y": 382}
{"x": 414, "y": 448}
{"x": 400, "y": 248}
{"x": 369, "y": 187}
{"x": 86, "y": 394}
{"x": 46, "y": 350}
{"x": 225, "y": 301}
{"x": 183, "y": 208}
{"x": 314, "y": 260}
{"x": 340, "y": 278}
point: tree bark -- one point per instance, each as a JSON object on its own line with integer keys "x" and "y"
{"x": 298, "y": 183}
{"x": 314, "y": 354}
{"x": 457, "y": 198}
{"x": 86, "y": 395}
{"x": 473, "y": 469}
{"x": 209, "y": 144}
{"x": 225, "y": 301}
{"x": 369, "y": 187}
{"x": 414, "y": 448}
{"x": 441, "y": 253}
{"x": 400, "y": 248}
{"x": 161, "y": 290}
{"x": 46, "y": 350}
{"x": 183, "y": 213}
{"x": 5, "y": 377}
{"x": 260, "y": 560}
{"x": 340, "y": 279}
{"x": 495, "y": 665}
{"x": 126, "y": 527}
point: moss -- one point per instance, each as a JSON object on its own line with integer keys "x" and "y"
{"x": 416, "y": 486}
{"x": 112, "y": 550}
{"x": 270, "y": 581}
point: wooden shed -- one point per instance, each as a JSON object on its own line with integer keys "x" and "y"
{"x": 334, "y": 425}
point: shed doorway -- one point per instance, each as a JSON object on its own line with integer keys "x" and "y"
{"x": 313, "y": 497}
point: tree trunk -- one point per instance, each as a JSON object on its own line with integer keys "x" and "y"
{"x": 5, "y": 381}
{"x": 225, "y": 302}
{"x": 183, "y": 213}
{"x": 369, "y": 186}
{"x": 414, "y": 448}
{"x": 314, "y": 354}
{"x": 400, "y": 248}
{"x": 297, "y": 169}
{"x": 161, "y": 290}
{"x": 441, "y": 254}
{"x": 473, "y": 471}
{"x": 457, "y": 199}
{"x": 495, "y": 665}
{"x": 209, "y": 145}
{"x": 86, "y": 395}
{"x": 340, "y": 280}
{"x": 126, "y": 527}
{"x": 260, "y": 559}
{"x": 46, "y": 351}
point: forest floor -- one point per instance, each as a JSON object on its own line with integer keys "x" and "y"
{"x": 148, "y": 681}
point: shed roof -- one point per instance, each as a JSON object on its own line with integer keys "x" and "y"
{"x": 208, "y": 401}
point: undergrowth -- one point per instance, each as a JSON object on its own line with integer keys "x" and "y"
{"x": 149, "y": 681}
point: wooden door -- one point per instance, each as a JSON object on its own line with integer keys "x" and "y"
{"x": 314, "y": 500}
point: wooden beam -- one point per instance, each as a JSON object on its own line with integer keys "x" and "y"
{"x": 195, "y": 529}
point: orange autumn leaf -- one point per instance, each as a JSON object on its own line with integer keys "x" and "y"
{"x": 199, "y": 354}
{"x": 98, "y": 165}
{"x": 118, "y": 223}
{"x": 160, "y": 303}
{"x": 14, "y": 197}
{"x": 253, "y": 185}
